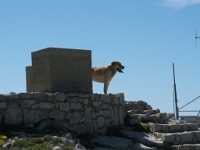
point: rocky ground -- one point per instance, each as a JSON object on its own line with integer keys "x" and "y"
{"x": 137, "y": 134}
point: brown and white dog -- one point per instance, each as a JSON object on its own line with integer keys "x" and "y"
{"x": 106, "y": 73}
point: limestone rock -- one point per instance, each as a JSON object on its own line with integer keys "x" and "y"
{"x": 25, "y": 95}
{"x": 79, "y": 147}
{"x": 76, "y": 105}
{"x": 59, "y": 96}
{"x": 13, "y": 115}
{"x": 57, "y": 114}
{"x": 3, "y": 105}
{"x": 114, "y": 142}
{"x": 27, "y": 103}
{"x": 34, "y": 116}
{"x": 63, "y": 106}
{"x": 101, "y": 122}
{"x": 46, "y": 105}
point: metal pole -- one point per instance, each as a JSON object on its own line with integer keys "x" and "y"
{"x": 175, "y": 94}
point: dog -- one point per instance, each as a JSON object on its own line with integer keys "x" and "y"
{"x": 106, "y": 73}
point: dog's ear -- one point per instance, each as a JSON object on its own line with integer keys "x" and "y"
{"x": 113, "y": 63}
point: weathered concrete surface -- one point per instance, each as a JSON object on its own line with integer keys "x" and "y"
{"x": 60, "y": 70}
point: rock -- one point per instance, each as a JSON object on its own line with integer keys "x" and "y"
{"x": 102, "y": 148}
{"x": 76, "y": 105}
{"x": 25, "y": 95}
{"x": 96, "y": 103}
{"x": 34, "y": 116}
{"x": 68, "y": 142}
{"x": 3, "y": 105}
{"x": 135, "y": 120}
{"x": 57, "y": 148}
{"x": 87, "y": 115}
{"x": 57, "y": 114}
{"x": 59, "y": 96}
{"x": 69, "y": 136}
{"x": 27, "y": 103}
{"x": 140, "y": 146}
{"x": 9, "y": 144}
{"x": 74, "y": 117}
{"x": 79, "y": 147}
{"x": 144, "y": 138}
{"x": 6, "y": 146}
{"x": 11, "y": 96}
{"x": 13, "y": 115}
{"x": 40, "y": 96}
{"x": 63, "y": 106}
{"x": 46, "y": 105}
{"x": 114, "y": 142}
{"x": 101, "y": 122}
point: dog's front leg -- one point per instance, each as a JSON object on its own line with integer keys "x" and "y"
{"x": 106, "y": 84}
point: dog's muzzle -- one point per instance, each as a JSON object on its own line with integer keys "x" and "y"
{"x": 120, "y": 70}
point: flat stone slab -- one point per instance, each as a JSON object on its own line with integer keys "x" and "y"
{"x": 186, "y": 147}
{"x": 144, "y": 138}
{"x": 114, "y": 142}
{"x": 139, "y": 146}
{"x": 172, "y": 128}
{"x": 180, "y": 137}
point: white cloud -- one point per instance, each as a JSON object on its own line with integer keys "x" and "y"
{"x": 180, "y": 3}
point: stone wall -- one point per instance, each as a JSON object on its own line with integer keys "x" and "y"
{"x": 81, "y": 113}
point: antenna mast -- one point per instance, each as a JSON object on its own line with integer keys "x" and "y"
{"x": 175, "y": 94}
{"x": 196, "y": 37}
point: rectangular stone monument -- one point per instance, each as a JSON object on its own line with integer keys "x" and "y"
{"x": 60, "y": 70}
{"x": 29, "y": 79}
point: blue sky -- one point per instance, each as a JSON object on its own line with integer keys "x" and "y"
{"x": 145, "y": 36}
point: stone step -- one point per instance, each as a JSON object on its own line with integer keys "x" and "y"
{"x": 172, "y": 128}
{"x": 139, "y": 111}
{"x": 137, "y": 146}
{"x": 191, "y": 137}
{"x": 145, "y": 138}
{"x": 186, "y": 147}
{"x": 156, "y": 118}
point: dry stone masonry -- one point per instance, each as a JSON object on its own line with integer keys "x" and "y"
{"x": 81, "y": 113}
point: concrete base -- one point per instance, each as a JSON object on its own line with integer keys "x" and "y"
{"x": 60, "y": 70}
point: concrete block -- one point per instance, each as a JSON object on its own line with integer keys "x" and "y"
{"x": 165, "y": 128}
{"x": 175, "y": 128}
{"x": 193, "y": 126}
{"x": 154, "y": 127}
{"x": 197, "y": 136}
{"x": 60, "y": 70}
{"x": 168, "y": 137}
{"x": 186, "y": 137}
{"x": 185, "y": 127}
{"x": 29, "y": 79}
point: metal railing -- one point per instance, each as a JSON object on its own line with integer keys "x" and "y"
{"x": 198, "y": 113}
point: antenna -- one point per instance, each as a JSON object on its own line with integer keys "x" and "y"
{"x": 175, "y": 93}
{"x": 196, "y": 37}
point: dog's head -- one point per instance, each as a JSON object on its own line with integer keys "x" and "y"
{"x": 118, "y": 66}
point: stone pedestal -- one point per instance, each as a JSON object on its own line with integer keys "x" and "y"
{"x": 60, "y": 70}
{"x": 29, "y": 79}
